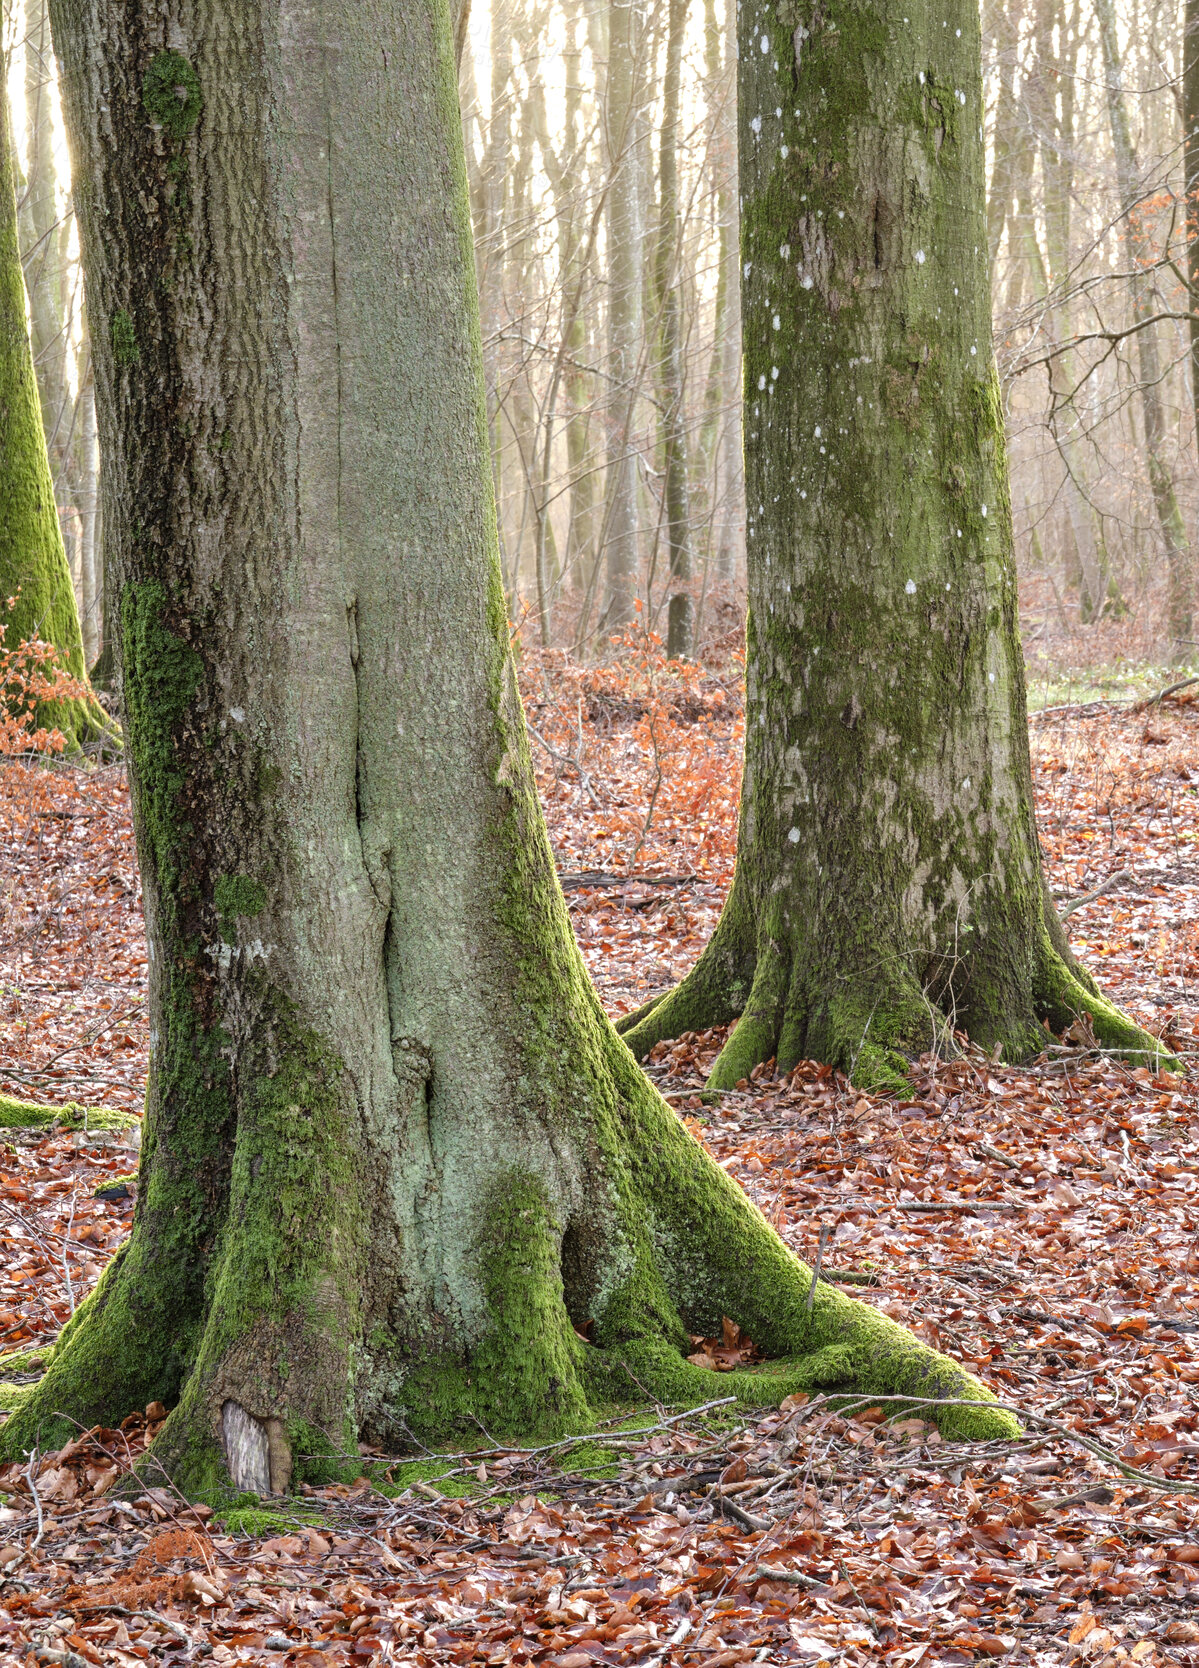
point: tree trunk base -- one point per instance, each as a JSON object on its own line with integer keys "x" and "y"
{"x": 675, "y": 1247}
{"x": 874, "y": 1024}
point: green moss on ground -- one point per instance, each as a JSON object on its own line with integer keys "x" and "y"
{"x": 257, "y": 1521}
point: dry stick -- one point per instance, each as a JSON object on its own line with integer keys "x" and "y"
{"x": 1172, "y": 690}
{"x": 826, "y": 1233}
{"x": 30, "y": 1470}
{"x": 1120, "y": 877}
{"x": 988, "y": 1151}
{"x": 567, "y": 762}
{"x": 848, "y": 1579}
{"x": 1099, "y": 1449}
{"x": 653, "y": 798}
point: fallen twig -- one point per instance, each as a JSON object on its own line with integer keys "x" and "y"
{"x": 1120, "y": 878}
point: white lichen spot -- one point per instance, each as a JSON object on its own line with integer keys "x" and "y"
{"x": 761, "y": 382}
{"x": 785, "y": 251}
{"x": 990, "y": 677}
{"x": 910, "y": 587}
{"x": 920, "y": 257}
{"x": 774, "y": 373}
{"x": 973, "y": 351}
{"x": 784, "y": 152}
{"x": 984, "y": 512}
{"x": 817, "y": 434}
{"x": 237, "y": 714}
{"x": 764, "y": 43}
{"x": 920, "y": 76}
{"x": 807, "y": 281}
{"x": 793, "y": 836}
{"x": 802, "y": 493}
{"x": 966, "y": 783}
{"x": 756, "y": 125}
{"x": 777, "y": 322}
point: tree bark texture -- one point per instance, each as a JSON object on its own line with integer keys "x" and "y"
{"x": 680, "y": 606}
{"x": 888, "y": 887}
{"x": 44, "y": 241}
{"x": 394, "y": 1153}
{"x": 33, "y": 563}
{"x": 625, "y": 277}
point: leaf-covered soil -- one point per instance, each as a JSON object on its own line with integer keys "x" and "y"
{"x": 1037, "y": 1222}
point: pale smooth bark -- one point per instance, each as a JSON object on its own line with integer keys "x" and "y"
{"x": 680, "y": 606}
{"x": 625, "y": 278}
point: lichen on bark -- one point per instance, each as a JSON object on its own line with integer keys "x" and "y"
{"x": 888, "y": 890}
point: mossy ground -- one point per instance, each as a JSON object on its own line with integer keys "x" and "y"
{"x": 23, "y": 1114}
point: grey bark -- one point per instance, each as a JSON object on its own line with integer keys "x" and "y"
{"x": 680, "y": 631}
{"x": 625, "y": 278}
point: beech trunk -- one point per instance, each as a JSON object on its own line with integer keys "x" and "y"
{"x": 888, "y": 889}
{"x": 396, "y": 1160}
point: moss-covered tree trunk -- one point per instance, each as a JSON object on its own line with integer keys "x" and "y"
{"x": 888, "y": 885}
{"x": 33, "y": 563}
{"x": 395, "y": 1157}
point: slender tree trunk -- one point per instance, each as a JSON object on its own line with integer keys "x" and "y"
{"x": 395, "y": 1156}
{"x": 888, "y": 887}
{"x": 1179, "y": 578}
{"x": 732, "y": 483}
{"x": 1190, "y": 125}
{"x": 43, "y": 240}
{"x": 625, "y": 276}
{"x": 33, "y": 563}
{"x": 91, "y": 573}
{"x": 680, "y": 630}
{"x": 1098, "y": 593}
{"x": 1007, "y": 126}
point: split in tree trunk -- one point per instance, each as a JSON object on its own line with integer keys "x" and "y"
{"x": 888, "y": 889}
{"x": 396, "y": 1160}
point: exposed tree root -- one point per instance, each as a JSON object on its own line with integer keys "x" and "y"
{"x": 668, "y": 1246}
{"x": 874, "y": 1023}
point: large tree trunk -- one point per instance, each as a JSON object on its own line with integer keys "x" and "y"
{"x": 33, "y": 563}
{"x": 888, "y": 886}
{"x": 394, "y": 1154}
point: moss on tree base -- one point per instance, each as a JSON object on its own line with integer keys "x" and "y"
{"x": 873, "y": 1028}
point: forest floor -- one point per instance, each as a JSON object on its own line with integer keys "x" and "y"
{"x": 1036, "y": 1222}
